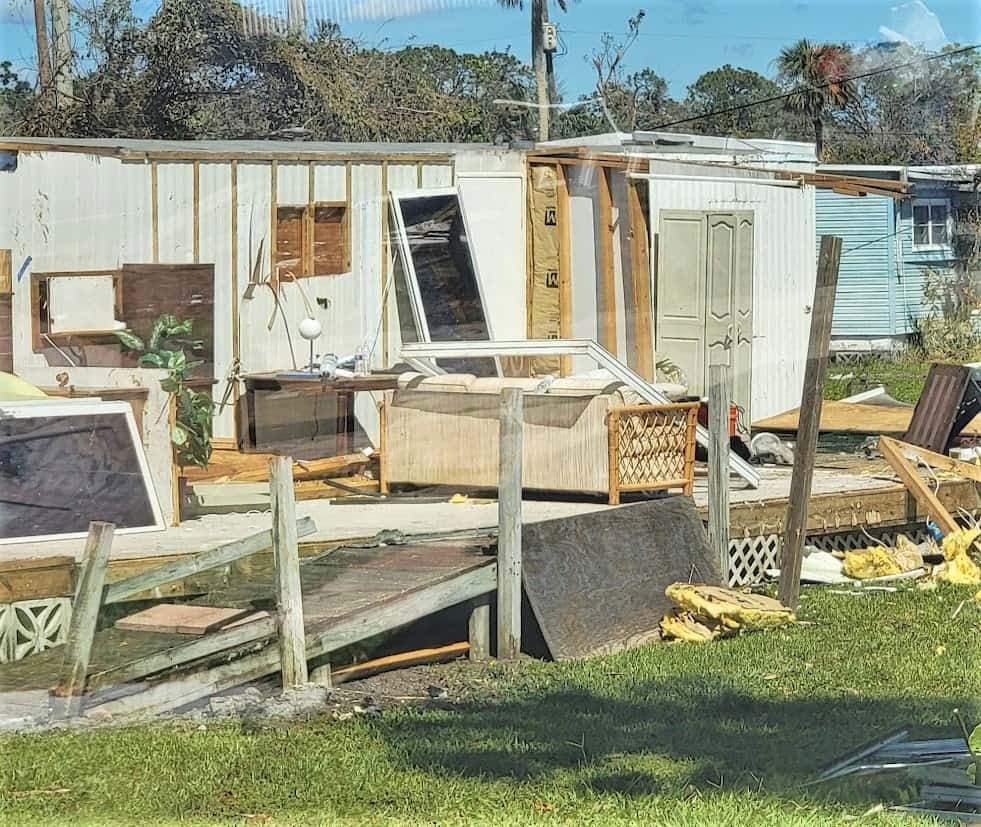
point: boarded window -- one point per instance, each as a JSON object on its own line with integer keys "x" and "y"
{"x": 312, "y": 240}
{"x": 290, "y": 257}
{"x": 330, "y": 249}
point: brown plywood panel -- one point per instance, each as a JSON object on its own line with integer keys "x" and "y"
{"x": 6, "y": 334}
{"x": 330, "y": 248}
{"x": 596, "y": 581}
{"x": 181, "y": 619}
{"x": 182, "y": 290}
{"x": 938, "y": 406}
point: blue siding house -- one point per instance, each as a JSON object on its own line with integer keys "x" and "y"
{"x": 888, "y": 246}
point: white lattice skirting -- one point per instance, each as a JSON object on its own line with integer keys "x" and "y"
{"x": 750, "y": 557}
{"x": 31, "y": 626}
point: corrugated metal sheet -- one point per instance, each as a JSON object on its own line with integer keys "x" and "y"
{"x": 937, "y": 408}
{"x": 785, "y": 269}
{"x": 864, "y": 302}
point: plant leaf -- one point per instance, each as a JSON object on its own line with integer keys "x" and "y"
{"x": 129, "y": 339}
{"x": 151, "y": 360}
{"x": 178, "y": 435}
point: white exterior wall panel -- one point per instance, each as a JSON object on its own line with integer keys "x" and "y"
{"x": 783, "y": 280}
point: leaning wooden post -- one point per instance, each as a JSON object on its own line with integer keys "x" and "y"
{"x": 85, "y": 616}
{"x": 286, "y": 560}
{"x": 718, "y": 457}
{"x": 509, "y": 526}
{"x": 792, "y": 554}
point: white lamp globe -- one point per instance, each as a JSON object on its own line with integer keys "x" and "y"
{"x": 310, "y": 329}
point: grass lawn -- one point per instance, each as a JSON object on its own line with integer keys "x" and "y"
{"x": 712, "y": 734}
{"x": 902, "y": 376}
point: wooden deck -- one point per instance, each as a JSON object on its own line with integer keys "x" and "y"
{"x": 348, "y": 595}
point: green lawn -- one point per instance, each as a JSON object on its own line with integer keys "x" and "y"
{"x": 713, "y": 734}
{"x": 903, "y": 376}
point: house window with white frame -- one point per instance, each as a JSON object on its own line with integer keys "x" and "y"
{"x": 931, "y": 223}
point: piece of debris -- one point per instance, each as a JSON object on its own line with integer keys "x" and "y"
{"x": 958, "y": 567}
{"x": 769, "y": 448}
{"x": 709, "y": 612}
{"x": 185, "y": 619}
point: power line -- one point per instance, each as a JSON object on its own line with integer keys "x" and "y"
{"x": 709, "y": 36}
{"x": 785, "y": 95}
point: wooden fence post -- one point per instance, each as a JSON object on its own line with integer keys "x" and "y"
{"x": 286, "y": 559}
{"x": 480, "y": 630}
{"x": 509, "y": 526}
{"x": 718, "y": 457}
{"x": 792, "y": 554}
{"x": 85, "y": 616}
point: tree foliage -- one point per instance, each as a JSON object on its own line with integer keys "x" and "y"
{"x": 926, "y": 113}
{"x": 205, "y": 69}
{"x": 817, "y": 79}
{"x": 196, "y": 70}
{"x": 729, "y": 87}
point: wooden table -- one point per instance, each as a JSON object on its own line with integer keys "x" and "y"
{"x": 287, "y": 412}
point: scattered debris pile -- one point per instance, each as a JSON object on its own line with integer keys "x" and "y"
{"x": 943, "y": 765}
{"x": 882, "y": 561}
{"x": 709, "y": 612}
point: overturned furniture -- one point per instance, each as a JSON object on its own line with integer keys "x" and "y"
{"x": 582, "y": 435}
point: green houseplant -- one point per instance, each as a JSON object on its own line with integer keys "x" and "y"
{"x": 165, "y": 349}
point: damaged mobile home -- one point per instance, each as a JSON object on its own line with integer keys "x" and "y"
{"x": 367, "y": 310}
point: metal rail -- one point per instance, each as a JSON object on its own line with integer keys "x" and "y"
{"x": 420, "y": 352}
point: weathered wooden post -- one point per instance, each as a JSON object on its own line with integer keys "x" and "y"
{"x": 718, "y": 457}
{"x": 480, "y": 631}
{"x": 286, "y": 560}
{"x": 509, "y": 526}
{"x": 792, "y": 554}
{"x": 85, "y": 616}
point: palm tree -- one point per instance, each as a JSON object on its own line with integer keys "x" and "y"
{"x": 541, "y": 63}
{"x": 818, "y": 75}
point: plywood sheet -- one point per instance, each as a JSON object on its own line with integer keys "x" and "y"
{"x": 181, "y": 619}
{"x": 848, "y": 417}
{"x": 596, "y": 581}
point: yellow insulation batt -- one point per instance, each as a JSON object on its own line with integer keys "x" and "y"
{"x": 685, "y": 626}
{"x": 870, "y": 562}
{"x": 959, "y": 567}
{"x": 731, "y": 609}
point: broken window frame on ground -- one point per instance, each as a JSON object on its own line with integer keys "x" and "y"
{"x": 64, "y": 410}
{"x": 411, "y": 294}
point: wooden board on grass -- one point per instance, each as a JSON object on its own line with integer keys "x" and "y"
{"x": 175, "y": 618}
{"x": 596, "y": 581}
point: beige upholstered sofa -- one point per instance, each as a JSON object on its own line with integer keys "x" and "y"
{"x": 588, "y": 435}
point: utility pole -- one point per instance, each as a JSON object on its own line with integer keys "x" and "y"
{"x": 539, "y": 17}
{"x": 43, "y": 50}
{"x": 61, "y": 34}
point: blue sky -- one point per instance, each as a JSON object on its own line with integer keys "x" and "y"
{"x": 679, "y": 39}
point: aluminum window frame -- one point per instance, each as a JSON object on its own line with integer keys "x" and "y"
{"x": 63, "y": 408}
{"x": 396, "y": 197}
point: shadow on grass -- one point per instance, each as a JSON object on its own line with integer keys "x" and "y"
{"x": 641, "y": 738}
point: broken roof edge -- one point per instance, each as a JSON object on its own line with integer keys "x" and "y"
{"x": 652, "y": 143}
{"x": 130, "y": 149}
